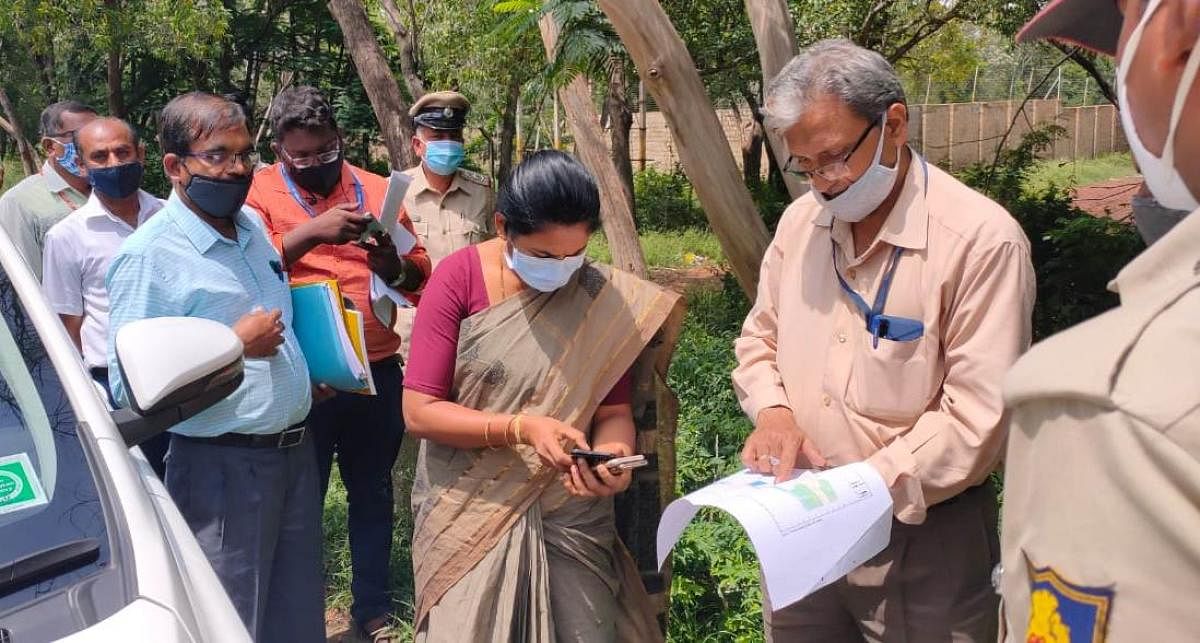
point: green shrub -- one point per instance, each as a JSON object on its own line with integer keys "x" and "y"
{"x": 715, "y": 592}
{"x": 664, "y": 201}
{"x": 1075, "y": 254}
{"x": 771, "y": 201}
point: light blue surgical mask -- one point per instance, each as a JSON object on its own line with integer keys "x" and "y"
{"x": 70, "y": 159}
{"x": 444, "y": 157}
{"x": 545, "y": 274}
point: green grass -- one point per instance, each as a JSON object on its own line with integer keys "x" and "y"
{"x": 337, "y": 555}
{"x": 680, "y": 249}
{"x": 1069, "y": 174}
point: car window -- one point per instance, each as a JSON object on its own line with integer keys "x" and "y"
{"x": 48, "y": 493}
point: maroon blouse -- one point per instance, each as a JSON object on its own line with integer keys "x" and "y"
{"x": 454, "y": 292}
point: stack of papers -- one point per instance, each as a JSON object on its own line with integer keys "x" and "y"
{"x": 383, "y": 297}
{"x": 808, "y": 532}
{"x": 331, "y": 337}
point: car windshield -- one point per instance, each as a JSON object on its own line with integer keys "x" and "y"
{"x": 48, "y": 493}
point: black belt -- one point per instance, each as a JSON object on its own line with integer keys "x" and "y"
{"x": 970, "y": 492}
{"x": 289, "y": 437}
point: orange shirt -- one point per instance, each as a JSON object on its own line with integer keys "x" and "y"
{"x": 347, "y": 263}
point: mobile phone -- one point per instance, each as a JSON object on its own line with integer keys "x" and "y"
{"x": 617, "y": 465}
{"x": 592, "y": 457}
{"x": 374, "y": 228}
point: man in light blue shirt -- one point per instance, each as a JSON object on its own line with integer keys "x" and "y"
{"x": 243, "y": 472}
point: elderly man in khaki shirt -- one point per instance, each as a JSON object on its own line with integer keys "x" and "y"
{"x": 1101, "y": 535}
{"x": 890, "y": 304}
{"x": 450, "y": 208}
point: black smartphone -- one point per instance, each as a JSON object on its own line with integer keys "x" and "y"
{"x": 592, "y": 457}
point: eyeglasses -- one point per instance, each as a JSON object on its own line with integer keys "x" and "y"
{"x": 834, "y": 171}
{"x": 222, "y": 159}
{"x": 313, "y": 160}
{"x": 58, "y": 136}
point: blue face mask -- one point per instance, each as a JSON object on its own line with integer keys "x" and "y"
{"x": 544, "y": 274}
{"x": 444, "y": 157}
{"x": 70, "y": 159}
{"x": 118, "y": 181}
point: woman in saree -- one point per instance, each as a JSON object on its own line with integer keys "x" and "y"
{"x": 522, "y": 351}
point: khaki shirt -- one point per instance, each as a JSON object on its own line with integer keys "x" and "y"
{"x": 446, "y": 223}
{"x": 1101, "y": 523}
{"x": 30, "y": 208}
{"x": 925, "y": 413}
{"x": 452, "y": 221}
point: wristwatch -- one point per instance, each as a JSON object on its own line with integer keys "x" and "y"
{"x": 400, "y": 278}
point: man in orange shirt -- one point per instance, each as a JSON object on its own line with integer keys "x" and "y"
{"x": 316, "y": 206}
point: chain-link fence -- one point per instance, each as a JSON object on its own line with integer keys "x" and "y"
{"x": 1066, "y": 83}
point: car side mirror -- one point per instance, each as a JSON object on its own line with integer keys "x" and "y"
{"x": 172, "y": 369}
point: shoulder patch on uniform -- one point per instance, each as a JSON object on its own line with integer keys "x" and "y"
{"x": 475, "y": 177}
{"x": 1062, "y": 612}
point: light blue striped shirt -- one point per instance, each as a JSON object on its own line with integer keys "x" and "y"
{"x": 176, "y": 265}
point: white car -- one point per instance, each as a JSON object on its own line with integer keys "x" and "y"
{"x": 91, "y": 546}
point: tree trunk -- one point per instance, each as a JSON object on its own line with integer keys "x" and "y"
{"x": 752, "y": 145}
{"x": 616, "y": 205}
{"x": 752, "y": 148}
{"x": 389, "y": 105}
{"x": 29, "y": 160}
{"x": 670, "y": 74}
{"x": 45, "y": 65}
{"x": 776, "y": 41}
{"x": 116, "y": 95}
{"x": 620, "y": 120}
{"x": 508, "y": 130}
{"x": 408, "y": 55}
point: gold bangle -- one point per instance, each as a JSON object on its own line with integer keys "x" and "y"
{"x": 507, "y": 429}
{"x": 517, "y": 428}
{"x": 487, "y": 430}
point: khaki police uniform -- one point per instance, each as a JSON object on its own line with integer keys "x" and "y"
{"x": 1101, "y": 519}
{"x": 450, "y": 221}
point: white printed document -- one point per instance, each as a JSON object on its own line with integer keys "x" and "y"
{"x": 808, "y": 532}
{"x": 384, "y": 297}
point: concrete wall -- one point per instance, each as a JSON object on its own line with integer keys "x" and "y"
{"x": 955, "y": 135}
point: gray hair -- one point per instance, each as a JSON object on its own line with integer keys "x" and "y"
{"x": 51, "y": 121}
{"x": 862, "y": 79}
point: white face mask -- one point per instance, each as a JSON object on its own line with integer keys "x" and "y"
{"x": 1162, "y": 177}
{"x": 545, "y": 274}
{"x": 868, "y": 192}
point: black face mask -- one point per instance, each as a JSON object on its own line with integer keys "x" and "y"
{"x": 219, "y": 198}
{"x": 118, "y": 181}
{"x": 319, "y": 179}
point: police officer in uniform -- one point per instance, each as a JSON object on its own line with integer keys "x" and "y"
{"x": 1101, "y": 525}
{"x": 451, "y": 208}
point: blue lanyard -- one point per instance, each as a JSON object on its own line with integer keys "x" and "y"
{"x": 871, "y": 313}
{"x": 291, "y": 186}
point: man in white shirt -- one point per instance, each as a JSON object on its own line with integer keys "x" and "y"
{"x": 79, "y": 248}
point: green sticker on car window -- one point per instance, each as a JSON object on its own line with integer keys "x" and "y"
{"x": 19, "y": 484}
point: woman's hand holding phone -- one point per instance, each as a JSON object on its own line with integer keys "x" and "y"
{"x": 590, "y": 477}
